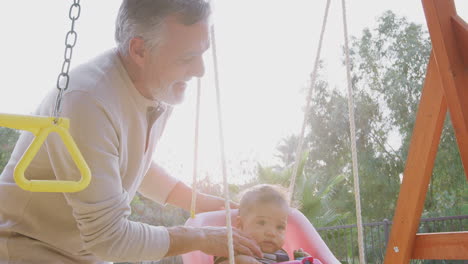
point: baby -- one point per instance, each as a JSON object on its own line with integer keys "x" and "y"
{"x": 263, "y": 215}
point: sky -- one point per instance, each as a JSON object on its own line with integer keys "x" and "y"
{"x": 266, "y": 51}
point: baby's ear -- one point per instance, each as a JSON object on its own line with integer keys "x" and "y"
{"x": 239, "y": 222}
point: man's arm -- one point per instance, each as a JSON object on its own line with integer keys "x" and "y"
{"x": 180, "y": 194}
{"x": 157, "y": 184}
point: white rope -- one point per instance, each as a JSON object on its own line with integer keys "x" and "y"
{"x": 300, "y": 144}
{"x": 223, "y": 158}
{"x": 352, "y": 126}
{"x": 195, "y": 153}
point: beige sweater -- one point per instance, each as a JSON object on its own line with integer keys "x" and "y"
{"x": 110, "y": 122}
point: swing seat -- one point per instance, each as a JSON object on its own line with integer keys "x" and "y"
{"x": 300, "y": 233}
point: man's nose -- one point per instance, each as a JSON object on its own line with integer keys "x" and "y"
{"x": 197, "y": 68}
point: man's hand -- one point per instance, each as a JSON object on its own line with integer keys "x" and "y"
{"x": 215, "y": 243}
{"x": 210, "y": 240}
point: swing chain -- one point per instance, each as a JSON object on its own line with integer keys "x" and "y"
{"x": 70, "y": 42}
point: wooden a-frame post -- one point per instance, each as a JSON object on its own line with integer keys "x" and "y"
{"x": 445, "y": 89}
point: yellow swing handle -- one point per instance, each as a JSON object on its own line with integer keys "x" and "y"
{"x": 41, "y": 127}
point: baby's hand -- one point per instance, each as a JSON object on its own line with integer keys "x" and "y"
{"x": 243, "y": 259}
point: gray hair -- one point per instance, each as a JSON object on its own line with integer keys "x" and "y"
{"x": 144, "y": 19}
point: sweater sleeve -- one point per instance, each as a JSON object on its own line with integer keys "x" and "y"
{"x": 161, "y": 182}
{"x": 101, "y": 210}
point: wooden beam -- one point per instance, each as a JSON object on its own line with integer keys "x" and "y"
{"x": 445, "y": 86}
{"x": 440, "y": 15}
{"x": 460, "y": 29}
{"x": 420, "y": 162}
{"x": 452, "y": 245}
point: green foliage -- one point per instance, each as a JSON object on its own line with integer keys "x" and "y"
{"x": 281, "y": 175}
{"x": 330, "y": 153}
{"x": 312, "y": 199}
{"x": 8, "y": 138}
{"x": 317, "y": 202}
{"x": 388, "y": 70}
{"x": 448, "y": 191}
{"x": 390, "y": 63}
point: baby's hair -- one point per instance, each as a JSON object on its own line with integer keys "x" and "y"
{"x": 262, "y": 194}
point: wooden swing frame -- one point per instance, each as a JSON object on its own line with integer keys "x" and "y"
{"x": 445, "y": 88}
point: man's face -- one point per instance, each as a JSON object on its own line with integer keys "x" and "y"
{"x": 266, "y": 224}
{"x": 176, "y": 60}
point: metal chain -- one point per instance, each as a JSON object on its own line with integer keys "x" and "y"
{"x": 70, "y": 41}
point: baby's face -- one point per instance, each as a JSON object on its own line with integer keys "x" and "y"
{"x": 266, "y": 224}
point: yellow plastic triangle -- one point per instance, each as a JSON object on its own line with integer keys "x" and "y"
{"x": 41, "y": 127}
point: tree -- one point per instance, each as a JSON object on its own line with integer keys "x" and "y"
{"x": 388, "y": 70}
{"x": 390, "y": 62}
{"x": 330, "y": 153}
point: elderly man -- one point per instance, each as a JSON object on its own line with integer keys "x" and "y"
{"x": 119, "y": 104}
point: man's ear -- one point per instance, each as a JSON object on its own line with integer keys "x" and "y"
{"x": 137, "y": 51}
{"x": 239, "y": 222}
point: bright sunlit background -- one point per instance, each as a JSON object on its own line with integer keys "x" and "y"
{"x": 266, "y": 51}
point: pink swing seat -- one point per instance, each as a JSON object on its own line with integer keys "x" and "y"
{"x": 300, "y": 233}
